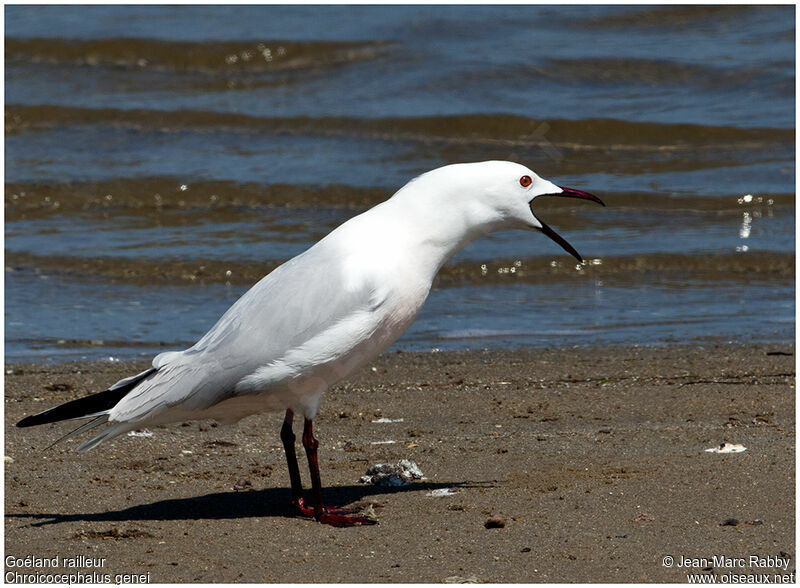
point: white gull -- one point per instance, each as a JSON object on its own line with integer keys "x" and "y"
{"x": 322, "y": 315}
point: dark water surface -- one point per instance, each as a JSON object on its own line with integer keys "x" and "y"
{"x": 160, "y": 159}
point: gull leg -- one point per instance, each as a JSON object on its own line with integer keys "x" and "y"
{"x": 299, "y": 503}
{"x": 287, "y": 436}
{"x": 337, "y": 517}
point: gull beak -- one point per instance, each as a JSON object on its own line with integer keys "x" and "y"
{"x": 565, "y": 193}
{"x": 573, "y": 193}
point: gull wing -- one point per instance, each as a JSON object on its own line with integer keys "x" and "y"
{"x": 297, "y": 303}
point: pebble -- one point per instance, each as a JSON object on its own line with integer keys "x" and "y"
{"x": 495, "y": 522}
{"x": 242, "y": 484}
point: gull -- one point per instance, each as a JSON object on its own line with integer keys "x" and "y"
{"x": 322, "y": 315}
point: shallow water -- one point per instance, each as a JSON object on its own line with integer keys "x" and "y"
{"x": 160, "y": 159}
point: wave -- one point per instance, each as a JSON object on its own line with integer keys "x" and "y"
{"x": 215, "y": 199}
{"x": 155, "y": 195}
{"x": 183, "y": 56}
{"x": 657, "y": 73}
{"x": 483, "y": 129}
{"x": 43, "y": 342}
{"x": 678, "y": 270}
{"x": 670, "y": 16}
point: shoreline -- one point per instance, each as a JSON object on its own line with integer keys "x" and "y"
{"x": 113, "y": 350}
{"x": 594, "y": 457}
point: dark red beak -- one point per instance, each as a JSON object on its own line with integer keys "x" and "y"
{"x": 573, "y": 193}
{"x": 567, "y": 193}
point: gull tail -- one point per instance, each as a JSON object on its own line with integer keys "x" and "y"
{"x": 96, "y": 405}
{"x": 95, "y": 422}
{"x": 109, "y": 433}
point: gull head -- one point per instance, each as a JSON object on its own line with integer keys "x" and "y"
{"x": 496, "y": 195}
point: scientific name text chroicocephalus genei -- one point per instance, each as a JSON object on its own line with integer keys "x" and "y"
{"x": 322, "y": 315}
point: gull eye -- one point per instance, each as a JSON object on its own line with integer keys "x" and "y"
{"x": 525, "y": 181}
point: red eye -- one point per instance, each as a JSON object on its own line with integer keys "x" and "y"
{"x": 525, "y": 181}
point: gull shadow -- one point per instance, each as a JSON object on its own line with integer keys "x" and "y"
{"x": 270, "y": 502}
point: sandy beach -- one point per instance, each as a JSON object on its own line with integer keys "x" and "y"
{"x": 594, "y": 458}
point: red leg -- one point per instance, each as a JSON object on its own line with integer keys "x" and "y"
{"x": 329, "y": 516}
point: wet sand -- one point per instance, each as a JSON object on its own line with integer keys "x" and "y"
{"x": 594, "y": 458}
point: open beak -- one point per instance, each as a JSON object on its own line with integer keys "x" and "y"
{"x": 566, "y": 193}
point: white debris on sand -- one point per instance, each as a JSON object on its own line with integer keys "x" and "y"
{"x": 727, "y": 448}
{"x": 385, "y": 420}
{"x": 461, "y": 580}
{"x": 442, "y": 492}
{"x": 141, "y": 433}
{"x": 401, "y": 473}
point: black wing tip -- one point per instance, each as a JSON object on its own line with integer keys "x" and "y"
{"x": 62, "y": 412}
{"x": 28, "y": 421}
{"x": 41, "y": 418}
{"x": 84, "y": 407}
